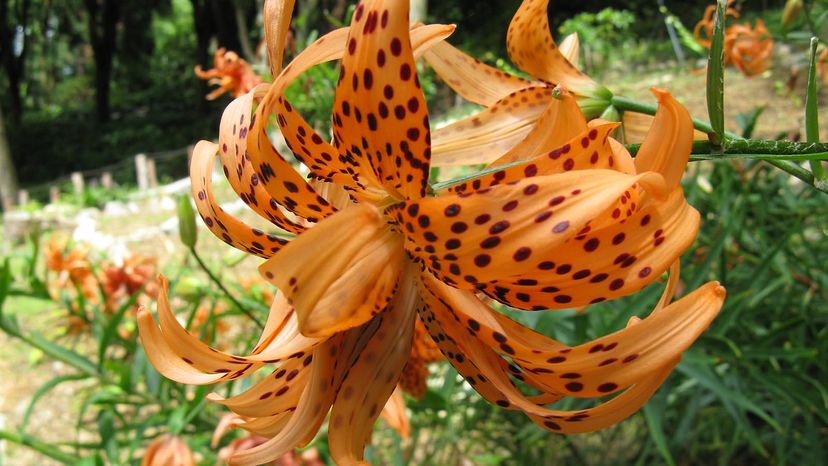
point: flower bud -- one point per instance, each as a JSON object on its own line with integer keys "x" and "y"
{"x": 186, "y": 222}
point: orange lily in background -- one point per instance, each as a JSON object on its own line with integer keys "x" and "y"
{"x": 231, "y": 73}
{"x": 566, "y": 228}
{"x": 747, "y": 48}
{"x": 130, "y": 275}
{"x": 168, "y": 450}
{"x": 822, "y": 65}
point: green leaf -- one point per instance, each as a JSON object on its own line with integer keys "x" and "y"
{"x": 705, "y": 376}
{"x": 812, "y": 114}
{"x": 715, "y": 77}
{"x": 653, "y": 415}
{"x": 43, "y": 390}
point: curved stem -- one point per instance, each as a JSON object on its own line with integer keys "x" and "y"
{"x": 224, "y": 290}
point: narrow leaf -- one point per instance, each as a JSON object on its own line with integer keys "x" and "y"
{"x": 715, "y": 77}
{"x": 812, "y": 113}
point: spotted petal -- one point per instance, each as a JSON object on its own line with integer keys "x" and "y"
{"x": 483, "y": 368}
{"x": 231, "y": 230}
{"x": 510, "y": 230}
{"x": 488, "y": 135}
{"x": 591, "y": 149}
{"x": 380, "y": 116}
{"x": 606, "y": 263}
{"x": 236, "y": 161}
{"x": 472, "y": 79}
{"x": 532, "y": 48}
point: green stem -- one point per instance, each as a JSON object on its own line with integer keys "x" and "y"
{"x": 782, "y": 163}
{"x": 626, "y": 104}
{"x": 39, "y": 447}
{"x": 754, "y": 150}
{"x": 221, "y": 286}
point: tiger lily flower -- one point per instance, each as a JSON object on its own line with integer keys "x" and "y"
{"x": 822, "y": 65}
{"x": 231, "y": 73}
{"x": 376, "y": 248}
{"x": 168, "y": 450}
{"x": 747, "y": 48}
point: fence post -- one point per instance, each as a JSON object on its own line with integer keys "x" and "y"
{"x": 77, "y": 182}
{"x": 141, "y": 171}
{"x": 106, "y": 180}
{"x": 54, "y": 194}
{"x": 152, "y": 179}
{"x": 22, "y": 197}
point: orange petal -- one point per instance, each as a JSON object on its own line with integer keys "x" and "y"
{"x": 380, "y": 114}
{"x": 483, "y": 367}
{"x": 472, "y": 79}
{"x": 570, "y": 48}
{"x": 666, "y": 148}
{"x": 340, "y": 273}
{"x": 237, "y": 167}
{"x": 317, "y": 396}
{"x": 588, "y": 150}
{"x": 277, "y": 393}
{"x": 561, "y": 121}
{"x": 231, "y": 230}
{"x": 509, "y": 230}
{"x": 374, "y": 375}
{"x": 486, "y": 136}
{"x": 394, "y": 414}
{"x": 165, "y": 360}
{"x": 277, "y": 15}
{"x": 532, "y": 48}
{"x": 596, "y": 368}
{"x": 608, "y": 262}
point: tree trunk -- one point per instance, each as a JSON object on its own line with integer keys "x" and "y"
{"x": 8, "y": 175}
{"x": 244, "y": 35}
{"x": 14, "y": 64}
{"x": 103, "y": 19}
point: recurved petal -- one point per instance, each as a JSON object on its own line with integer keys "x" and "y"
{"x": 510, "y": 230}
{"x": 373, "y": 377}
{"x": 532, "y": 48}
{"x": 488, "y": 135}
{"x": 321, "y": 158}
{"x": 231, "y": 230}
{"x": 168, "y": 362}
{"x": 277, "y": 393}
{"x": 472, "y": 79}
{"x": 380, "y": 115}
{"x": 340, "y": 273}
{"x": 606, "y": 263}
{"x": 561, "y": 121}
{"x": 292, "y": 430}
{"x": 596, "y": 368}
{"x": 666, "y": 148}
{"x": 237, "y": 167}
{"x": 483, "y": 368}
